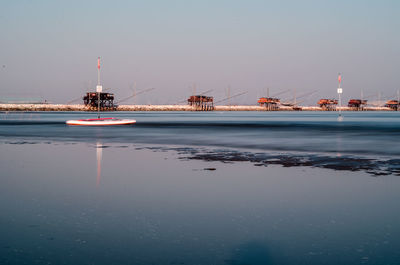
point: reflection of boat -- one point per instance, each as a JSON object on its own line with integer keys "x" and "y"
{"x": 99, "y": 154}
{"x": 101, "y": 122}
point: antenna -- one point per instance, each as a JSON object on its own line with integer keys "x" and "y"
{"x": 98, "y": 70}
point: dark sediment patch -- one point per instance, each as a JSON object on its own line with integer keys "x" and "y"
{"x": 375, "y": 167}
{"x": 103, "y": 146}
{"x": 372, "y": 166}
{"x": 22, "y": 142}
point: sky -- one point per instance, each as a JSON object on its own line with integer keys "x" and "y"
{"x": 49, "y": 49}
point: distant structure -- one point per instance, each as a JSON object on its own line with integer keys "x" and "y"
{"x": 201, "y": 103}
{"x": 269, "y": 103}
{"x": 91, "y": 99}
{"x": 99, "y": 100}
{"x": 393, "y": 104}
{"x": 357, "y": 104}
{"x": 328, "y": 104}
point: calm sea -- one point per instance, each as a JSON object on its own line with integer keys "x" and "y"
{"x": 200, "y": 188}
{"x": 360, "y": 133}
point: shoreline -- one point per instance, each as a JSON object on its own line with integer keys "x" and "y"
{"x": 81, "y": 107}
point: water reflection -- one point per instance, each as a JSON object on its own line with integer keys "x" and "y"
{"x": 99, "y": 154}
{"x": 339, "y": 145}
{"x": 173, "y": 213}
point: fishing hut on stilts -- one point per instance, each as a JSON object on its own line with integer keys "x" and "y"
{"x": 201, "y": 103}
{"x": 91, "y": 100}
{"x": 328, "y": 104}
{"x": 269, "y": 103}
{"x": 99, "y": 100}
{"x": 393, "y": 104}
{"x": 357, "y": 104}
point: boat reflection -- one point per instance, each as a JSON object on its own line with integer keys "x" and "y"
{"x": 99, "y": 154}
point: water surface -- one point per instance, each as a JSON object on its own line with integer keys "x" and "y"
{"x": 158, "y": 193}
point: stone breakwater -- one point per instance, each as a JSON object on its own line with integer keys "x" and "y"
{"x": 81, "y": 107}
{"x": 42, "y": 107}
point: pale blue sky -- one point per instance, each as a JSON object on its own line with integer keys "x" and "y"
{"x": 49, "y": 48}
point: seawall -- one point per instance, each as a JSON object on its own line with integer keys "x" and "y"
{"x": 81, "y": 107}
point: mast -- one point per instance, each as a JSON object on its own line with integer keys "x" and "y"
{"x": 229, "y": 95}
{"x": 99, "y": 88}
{"x": 379, "y": 98}
{"x": 134, "y": 93}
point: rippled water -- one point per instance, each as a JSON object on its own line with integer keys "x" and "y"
{"x": 200, "y": 188}
{"x": 362, "y": 133}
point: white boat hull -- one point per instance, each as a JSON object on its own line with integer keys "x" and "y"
{"x": 101, "y": 122}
